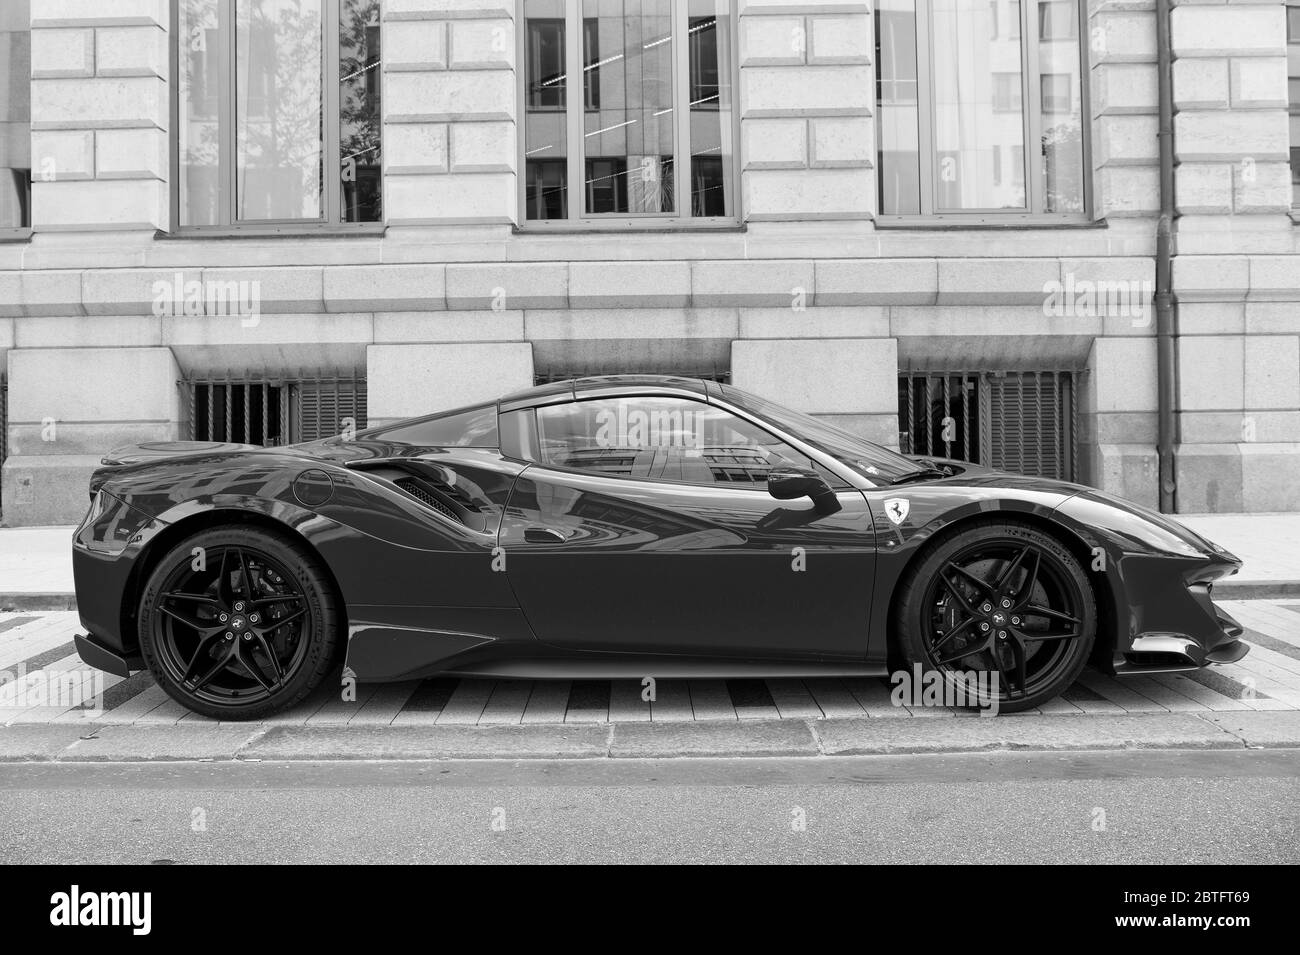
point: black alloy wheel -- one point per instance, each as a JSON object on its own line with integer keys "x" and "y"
{"x": 238, "y": 623}
{"x": 1006, "y": 601}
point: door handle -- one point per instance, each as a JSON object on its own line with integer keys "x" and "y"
{"x": 543, "y": 535}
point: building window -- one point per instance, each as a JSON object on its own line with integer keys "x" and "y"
{"x": 652, "y": 136}
{"x": 15, "y": 116}
{"x": 278, "y": 112}
{"x": 957, "y": 95}
{"x": 1293, "y": 87}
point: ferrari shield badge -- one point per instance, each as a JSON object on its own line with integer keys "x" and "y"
{"x": 896, "y": 509}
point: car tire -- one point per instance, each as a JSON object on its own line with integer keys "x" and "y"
{"x": 997, "y": 600}
{"x": 237, "y": 623}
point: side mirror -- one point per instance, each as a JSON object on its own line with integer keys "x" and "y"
{"x": 788, "y": 484}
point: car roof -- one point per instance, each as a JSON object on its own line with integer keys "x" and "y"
{"x": 592, "y": 386}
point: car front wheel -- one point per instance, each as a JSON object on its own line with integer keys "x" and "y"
{"x": 1003, "y": 607}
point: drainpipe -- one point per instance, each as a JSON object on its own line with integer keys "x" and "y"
{"x": 1166, "y": 316}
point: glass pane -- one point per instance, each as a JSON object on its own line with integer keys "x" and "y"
{"x": 198, "y": 139}
{"x": 545, "y": 138}
{"x": 628, "y": 143}
{"x": 978, "y": 108}
{"x": 709, "y": 43}
{"x": 278, "y": 109}
{"x": 899, "y": 152}
{"x": 15, "y": 115}
{"x": 474, "y": 428}
{"x": 1293, "y": 87}
{"x": 667, "y": 439}
{"x": 1060, "y": 106}
{"x": 360, "y": 157}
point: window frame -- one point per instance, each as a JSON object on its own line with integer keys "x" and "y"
{"x": 1291, "y": 9}
{"x": 576, "y": 160}
{"x": 1031, "y": 93}
{"x": 23, "y": 233}
{"x": 329, "y": 222}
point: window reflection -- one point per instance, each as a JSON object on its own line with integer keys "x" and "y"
{"x": 278, "y": 109}
{"x": 360, "y": 157}
{"x": 985, "y": 90}
{"x": 628, "y": 144}
{"x": 1293, "y": 85}
{"x": 198, "y": 133}
{"x": 259, "y": 127}
{"x": 637, "y": 119}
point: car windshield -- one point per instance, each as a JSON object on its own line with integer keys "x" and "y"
{"x": 872, "y": 461}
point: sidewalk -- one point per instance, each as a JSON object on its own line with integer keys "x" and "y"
{"x": 36, "y": 562}
{"x": 767, "y": 739}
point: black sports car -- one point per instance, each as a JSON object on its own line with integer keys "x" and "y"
{"x": 622, "y": 527}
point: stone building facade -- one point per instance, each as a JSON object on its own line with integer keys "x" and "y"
{"x": 801, "y": 267}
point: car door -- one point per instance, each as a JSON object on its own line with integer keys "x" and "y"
{"x": 644, "y": 525}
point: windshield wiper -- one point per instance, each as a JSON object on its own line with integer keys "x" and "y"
{"x": 920, "y": 474}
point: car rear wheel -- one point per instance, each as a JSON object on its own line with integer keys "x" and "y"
{"x": 238, "y": 623}
{"x": 1000, "y": 605}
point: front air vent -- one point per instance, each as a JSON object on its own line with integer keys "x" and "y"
{"x": 426, "y": 494}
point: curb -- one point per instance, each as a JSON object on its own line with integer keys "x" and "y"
{"x": 757, "y": 739}
{"x": 38, "y": 601}
{"x": 1261, "y": 590}
{"x": 1241, "y": 590}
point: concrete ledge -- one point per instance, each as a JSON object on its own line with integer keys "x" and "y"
{"x": 194, "y": 741}
{"x": 9, "y": 602}
{"x": 853, "y": 737}
{"x": 567, "y": 741}
{"x": 749, "y": 739}
{"x": 1278, "y": 728}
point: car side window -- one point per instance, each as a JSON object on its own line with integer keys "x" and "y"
{"x": 659, "y": 438}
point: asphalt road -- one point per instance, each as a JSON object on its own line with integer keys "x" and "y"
{"x": 1219, "y": 806}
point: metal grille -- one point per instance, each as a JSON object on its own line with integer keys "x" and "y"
{"x": 272, "y": 411}
{"x": 325, "y": 407}
{"x": 417, "y": 490}
{"x": 1023, "y": 421}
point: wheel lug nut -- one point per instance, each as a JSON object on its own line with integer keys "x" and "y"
{"x": 1015, "y": 620}
{"x": 223, "y": 617}
{"x": 987, "y": 607}
{"x": 229, "y": 635}
{"x": 1002, "y": 634}
{"x": 1006, "y": 602}
{"x": 247, "y": 637}
{"x": 984, "y": 626}
{"x": 239, "y": 605}
{"x": 254, "y": 618}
